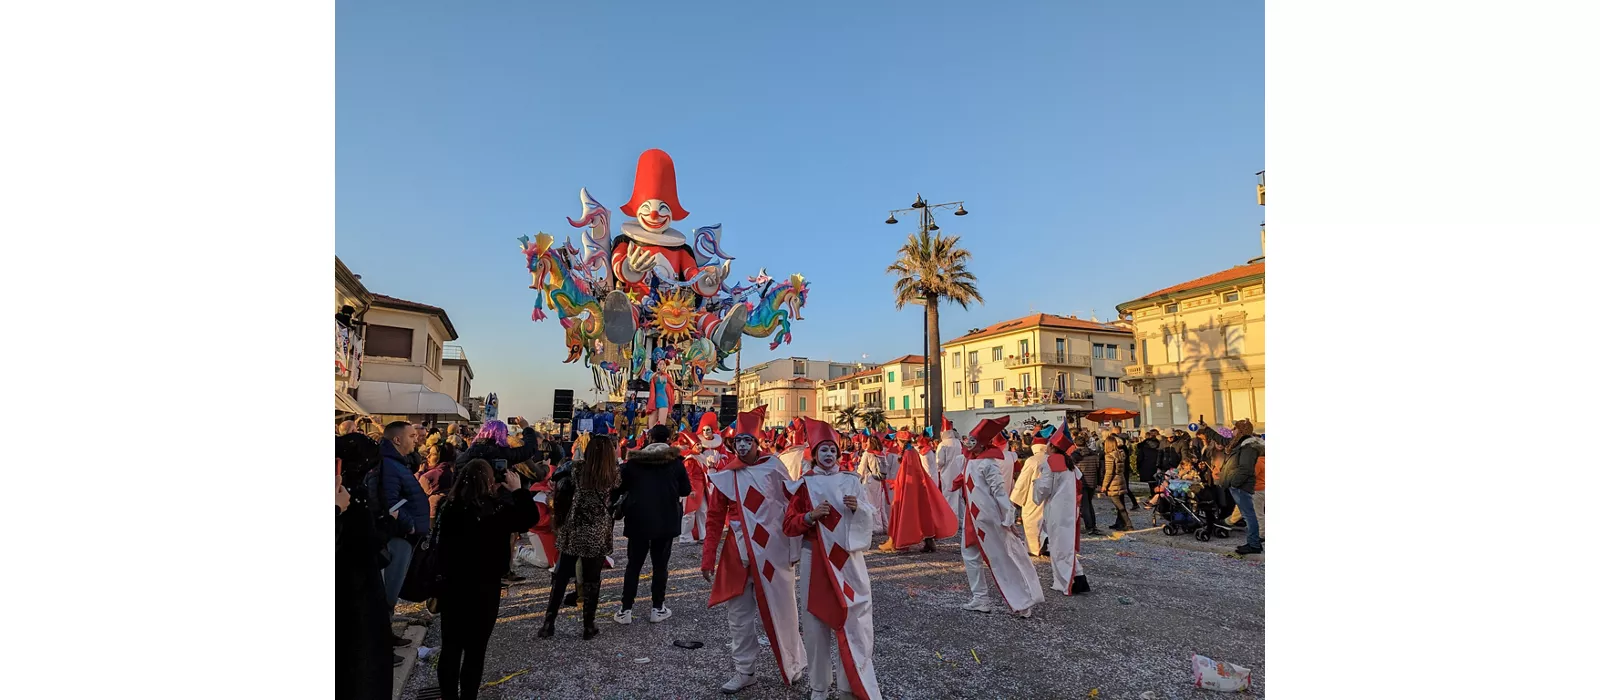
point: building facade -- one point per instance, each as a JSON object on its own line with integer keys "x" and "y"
{"x": 1201, "y": 349}
{"x": 752, "y": 379}
{"x": 709, "y": 395}
{"x": 351, "y": 300}
{"x": 402, "y": 373}
{"x": 1039, "y": 360}
{"x": 897, "y": 388}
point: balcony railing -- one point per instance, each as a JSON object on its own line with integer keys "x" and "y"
{"x": 454, "y": 352}
{"x": 913, "y": 381}
{"x": 1047, "y": 358}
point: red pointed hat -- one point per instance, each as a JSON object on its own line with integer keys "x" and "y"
{"x": 1062, "y": 441}
{"x": 749, "y": 422}
{"x": 707, "y": 420}
{"x": 988, "y": 428}
{"x": 1038, "y": 440}
{"x": 944, "y": 424}
{"x": 655, "y": 178}
{"x": 1000, "y": 440}
{"x": 818, "y": 432}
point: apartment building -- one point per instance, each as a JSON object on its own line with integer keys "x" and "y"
{"x": 753, "y": 378}
{"x": 402, "y": 375}
{"x": 1039, "y": 359}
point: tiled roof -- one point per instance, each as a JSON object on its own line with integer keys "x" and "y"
{"x": 708, "y": 381}
{"x": 906, "y": 359}
{"x": 857, "y": 375}
{"x": 398, "y": 303}
{"x": 1228, "y": 275}
{"x": 1038, "y": 320}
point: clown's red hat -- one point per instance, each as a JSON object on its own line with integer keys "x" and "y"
{"x": 655, "y": 178}
{"x": 749, "y": 422}
{"x": 988, "y": 429}
{"x": 1062, "y": 441}
{"x": 708, "y": 420}
{"x": 944, "y": 424}
{"x": 818, "y": 432}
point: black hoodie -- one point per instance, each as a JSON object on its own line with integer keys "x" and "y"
{"x": 653, "y": 478}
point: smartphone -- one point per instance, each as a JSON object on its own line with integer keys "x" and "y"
{"x": 396, "y": 507}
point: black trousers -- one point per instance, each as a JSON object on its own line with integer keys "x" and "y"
{"x": 466, "y": 619}
{"x": 566, "y": 567}
{"x": 659, "y": 550}
{"x": 1086, "y": 505}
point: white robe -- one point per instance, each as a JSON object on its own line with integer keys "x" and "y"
{"x": 1057, "y": 493}
{"x": 870, "y": 471}
{"x": 759, "y": 493}
{"x": 988, "y": 543}
{"x": 951, "y": 463}
{"x": 1022, "y": 493}
{"x": 794, "y": 459}
{"x": 838, "y": 550}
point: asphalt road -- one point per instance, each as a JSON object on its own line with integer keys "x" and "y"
{"x": 1179, "y": 602}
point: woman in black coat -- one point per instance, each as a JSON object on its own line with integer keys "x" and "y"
{"x": 473, "y": 528}
{"x": 653, "y": 480}
{"x": 362, "y": 665}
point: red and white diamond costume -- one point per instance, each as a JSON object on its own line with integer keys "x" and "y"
{"x": 988, "y": 542}
{"x": 703, "y": 457}
{"x": 755, "y": 574}
{"x": 833, "y": 573}
{"x": 1056, "y": 490}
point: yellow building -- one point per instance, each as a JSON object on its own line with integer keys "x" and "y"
{"x": 1062, "y": 362}
{"x": 1201, "y": 349}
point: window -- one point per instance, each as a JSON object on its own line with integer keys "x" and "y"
{"x": 388, "y": 341}
{"x": 1233, "y": 339}
{"x": 994, "y": 353}
{"x": 434, "y": 355}
{"x": 956, "y": 388}
{"x": 780, "y": 403}
{"x": 1230, "y": 297}
{"x": 799, "y": 368}
{"x": 891, "y": 403}
{"x": 1099, "y": 351}
{"x": 1260, "y": 393}
{"x": 1099, "y": 383}
{"x": 988, "y": 403}
{"x": 1061, "y": 381}
{"x": 1180, "y": 408}
{"x": 1114, "y": 384}
{"x": 1172, "y": 308}
{"x": 1025, "y": 380}
{"x": 1022, "y": 347}
{"x": 955, "y": 359}
{"x": 1239, "y": 404}
{"x": 1061, "y": 346}
{"x": 1144, "y": 352}
{"x": 1111, "y": 351}
{"x": 905, "y": 402}
{"x": 891, "y": 375}
{"x": 802, "y": 403}
{"x": 972, "y": 358}
{"x": 1174, "y": 348}
{"x": 973, "y": 386}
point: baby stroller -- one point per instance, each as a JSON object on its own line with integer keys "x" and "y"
{"x": 1191, "y": 507}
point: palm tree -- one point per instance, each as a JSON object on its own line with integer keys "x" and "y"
{"x": 847, "y": 418}
{"x": 875, "y": 421}
{"x": 932, "y": 267}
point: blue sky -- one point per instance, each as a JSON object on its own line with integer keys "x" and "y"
{"x": 1104, "y": 150}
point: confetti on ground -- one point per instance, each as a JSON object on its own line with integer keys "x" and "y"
{"x": 507, "y": 678}
{"x": 1094, "y": 693}
{"x": 975, "y": 655}
{"x": 1126, "y": 554}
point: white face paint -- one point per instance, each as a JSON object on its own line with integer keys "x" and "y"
{"x": 828, "y": 455}
{"x": 654, "y": 215}
{"x": 968, "y": 442}
{"x": 707, "y": 433}
{"x": 743, "y": 444}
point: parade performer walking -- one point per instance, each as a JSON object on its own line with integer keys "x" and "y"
{"x": 919, "y": 512}
{"x": 830, "y": 511}
{"x": 755, "y": 574}
{"x": 703, "y": 456}
{"x": 989, "y": 540}
{"x": 874, "y": 483}
{"x": 1022, "y": 493}
{"x": 1056, "y": 490}
{"x": 950, "y": 460}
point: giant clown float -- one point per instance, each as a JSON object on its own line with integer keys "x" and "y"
{"x": 652, "y": 304}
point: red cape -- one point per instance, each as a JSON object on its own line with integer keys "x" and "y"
{"x": 919, "y": 510}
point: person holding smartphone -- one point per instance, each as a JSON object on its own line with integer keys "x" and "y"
{"x": 398, "y": 494}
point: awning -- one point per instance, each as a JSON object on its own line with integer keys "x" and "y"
{"x": 395, "y": 399}
{"x": 345, "y": 403}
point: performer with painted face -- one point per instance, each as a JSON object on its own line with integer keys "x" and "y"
{"x": 1022, "y": 494}
{"x": 663, "y": 395}
{"x": 829, "y": 510}
{"x": 948, "y": 462}
{"x": 990, "y": 542}
{"x": 704, "y": 456}
{"x": 1056, "y": 490}
{"x": 755, "y": 574}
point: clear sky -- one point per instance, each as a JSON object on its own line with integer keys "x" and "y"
{"x": 1105, "y": 150}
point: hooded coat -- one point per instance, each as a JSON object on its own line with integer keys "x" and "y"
{"x": 654, "y": 478}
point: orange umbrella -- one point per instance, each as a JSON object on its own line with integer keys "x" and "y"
{"x": 1107, "y": 414}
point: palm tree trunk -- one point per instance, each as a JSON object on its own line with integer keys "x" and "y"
{"x": 934, "y": 386}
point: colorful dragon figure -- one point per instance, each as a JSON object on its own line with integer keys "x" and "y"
{"x": 778, "y": 304}
{"x": 564, "y": 292}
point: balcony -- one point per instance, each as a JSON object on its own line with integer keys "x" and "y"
{"x": 913, "y": 381}
{"x": 1136, "y": 371}
{"x": 902, "y": 414}
{"x": 454, "y": 352}
{"x": 1059, "y": 359}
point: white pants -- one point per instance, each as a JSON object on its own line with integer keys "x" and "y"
{"x": 1032, "y": 530}
{"x": 977, "y": 579}
{"x": 819, "y": 637}
{"x": 694, "y": 524}
{"x": 744, "y": 625}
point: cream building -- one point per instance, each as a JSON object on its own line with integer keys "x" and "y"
{"x": 896, "y": 387}
{"x": 1201, "y": 349}
{"x": 752, "y": 379}
{"x": 351, "y": 300}
{"x": 709, "y": 395}
{"x": 1041, "y": 360}
{"x": 402, "y": 374}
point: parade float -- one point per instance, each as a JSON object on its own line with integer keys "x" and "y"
{"x": 650, "y": 307}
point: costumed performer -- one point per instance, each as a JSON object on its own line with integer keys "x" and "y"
{"x": 703, "y": 456}
{"x": 755, "y": 574}
{"x": 830, "y": 512}
{"x": 990, "y": 541}
{"x": 869, "y": 468}
{"x": 1056, "y": 491}
{"x": 919, "y": 512}
{"x": 663, "y": 395}
{"x": 1022, "y": 492}
{"x": 949, "y": 462}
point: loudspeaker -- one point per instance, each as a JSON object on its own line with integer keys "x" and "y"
{"x": 638, "y": 385}
{"x": 562, "y": 411}
{"x": 728, "y": 412}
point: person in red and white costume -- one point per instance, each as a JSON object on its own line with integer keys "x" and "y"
{"x": 990, "y": 541}
{"x": 948, "y": 462}
{"x": 872, "y": 469}
{"x": 703, "y": 457}
{"x": 755, "y": 574}
{"x": 830, "y": 512}
{"x": 1022, "y": 494}
{"x": 1056, "y": 490}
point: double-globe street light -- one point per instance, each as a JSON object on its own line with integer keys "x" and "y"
{"x": 933, "y": 401}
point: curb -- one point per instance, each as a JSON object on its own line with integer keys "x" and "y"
{"x": 402, "y": 673}
{"x": 1188, "y": 542}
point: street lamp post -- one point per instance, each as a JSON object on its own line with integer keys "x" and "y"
{"x": 933, "y": 406}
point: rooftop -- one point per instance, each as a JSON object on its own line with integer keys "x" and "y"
{"x": 906, "y": 359}
{"x": 1036, "y": 321}
{"x": 1236, "y": 272}
{"x": 390, "y": 302}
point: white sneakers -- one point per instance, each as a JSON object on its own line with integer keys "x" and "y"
{"x": 623, "y": 618}
{"x": 660, "y": 614}
{"x": 1026, "y": 614}
{"x": 978, "y": 605}
{"x": 738, "y": 682}
{"x": 819, "y": 695}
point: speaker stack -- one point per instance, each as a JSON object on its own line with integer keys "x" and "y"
{"x": 728, "y": 412}
{"x": 562, "y": 411}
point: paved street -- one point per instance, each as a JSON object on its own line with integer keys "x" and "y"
{"x": 1181, "y": 602}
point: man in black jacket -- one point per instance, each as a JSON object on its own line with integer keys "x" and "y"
{"x": 1091, "y": 463}
{"x": 1151, "y": 456}
{"x": 653, "y": 481}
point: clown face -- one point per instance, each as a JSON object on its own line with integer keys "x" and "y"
{"x": 828, "y": 455}
{"x": 654, "y": 215}
{"x": 969, "y": 442}
{"x": 744, "y": 445}
{"x": 707, "y": 433}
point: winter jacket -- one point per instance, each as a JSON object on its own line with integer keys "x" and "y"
{"x": 393, "y": 481}
{"x": 475, "y": 546}
{"x": 653, "y": 479}
{"x": 488, "y": 451}
{"x": 1150, "y": 459}
{"x": 436, "y": 482}
{"x": 360, "y": 614}
{"x": 1092, "y": 464}
{"x": 1239, "y": 471}
{"x": 1115, "y": 479}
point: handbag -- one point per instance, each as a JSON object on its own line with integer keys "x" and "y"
{"x": 425, "y": 576}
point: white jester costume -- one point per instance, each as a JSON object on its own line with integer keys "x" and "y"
{"x": 834, "y": 586}
{"x": 755, "y": 574}
{"x": 870, "y": 470}
{"x": 1056, "y": 489}
{"x": 703, "y": 457}
{"x": 947, "y": 465}
{"x": 1022, "y": 493}
{"x": 794, "y": 460}
{"x": 988, "y": 541}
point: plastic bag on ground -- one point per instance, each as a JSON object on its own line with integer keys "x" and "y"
{"x": 1220, "y": 675}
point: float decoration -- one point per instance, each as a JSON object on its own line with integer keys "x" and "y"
{"x": 652, "y": 300}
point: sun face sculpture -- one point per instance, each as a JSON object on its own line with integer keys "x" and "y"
{"x": 675, "y": 316}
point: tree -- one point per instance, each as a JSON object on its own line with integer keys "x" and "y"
{"x": 931, "y": 268}
{"x": 847, "y": 418}
{"x": 875, "y": 421}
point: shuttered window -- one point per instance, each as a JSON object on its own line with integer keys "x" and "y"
{"x": 388, "y": 341}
